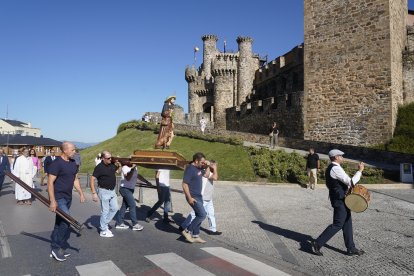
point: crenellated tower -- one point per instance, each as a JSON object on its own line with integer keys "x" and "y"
{"x": 223, "y": 80}
{"x": 247, "y": 66}
{"x": 209, "y": 52}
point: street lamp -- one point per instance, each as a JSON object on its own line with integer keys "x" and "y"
{"x": 196, "y": 49}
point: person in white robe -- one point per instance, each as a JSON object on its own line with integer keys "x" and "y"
{"x": 23, "y": 169}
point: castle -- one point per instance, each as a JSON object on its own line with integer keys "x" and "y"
{"x": 343, "y": 85}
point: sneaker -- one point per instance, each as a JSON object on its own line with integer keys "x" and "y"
{"x": 137, "y": 227}
{"x": 64, "y": 254}
{"x": 147, "y": 219}
{"x": 106, "y": 234}
{"x": 58, "y": 255}
{"x": 198, "y": 239}
{"x": 121, "y": 226}
{"x": 187, "y": 236}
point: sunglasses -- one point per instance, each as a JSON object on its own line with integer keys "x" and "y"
{"x": 107, "y": 158}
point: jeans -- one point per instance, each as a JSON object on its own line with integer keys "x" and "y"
{"x": 164, "y": 196}
{"x": 109, "y": 206}
{"x": 128, "y": 201}
{"x": 61, "y": 231}
{"x": 209, "y": 208}
{"x": 200, "y": 215}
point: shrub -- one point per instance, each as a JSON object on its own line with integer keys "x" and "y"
{"x": 280, "y": 166}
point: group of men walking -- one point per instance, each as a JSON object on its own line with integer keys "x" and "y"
{"x": 198, "y": 190}
{"x": 63, "y": 178}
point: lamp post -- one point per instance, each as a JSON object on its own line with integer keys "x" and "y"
{"x": 196, "y": 49}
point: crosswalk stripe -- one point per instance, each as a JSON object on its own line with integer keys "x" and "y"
{"x": 176, "y": 265}
{"x": 101, "y": 268}
{"x": 244, "y": 262}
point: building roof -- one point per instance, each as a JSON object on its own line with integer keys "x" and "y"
{"x": 15, "y": 123}
{"x": 27, "y": 140}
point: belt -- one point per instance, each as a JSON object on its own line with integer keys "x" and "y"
{"x": 106, "y": 188}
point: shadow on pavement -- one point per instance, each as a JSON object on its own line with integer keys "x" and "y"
{"x": 303, "y": 239}
{"x": 67, "y": 246}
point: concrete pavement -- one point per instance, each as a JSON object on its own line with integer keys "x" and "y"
{"x": 273, "y": 223}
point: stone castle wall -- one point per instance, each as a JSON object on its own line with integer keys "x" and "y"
{"x": 408, "y": 67}
{"x": 352, "y": 77}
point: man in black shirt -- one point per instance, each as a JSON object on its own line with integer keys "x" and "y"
{"x": 104, "y": 172}
{"x": 312, "y": 167}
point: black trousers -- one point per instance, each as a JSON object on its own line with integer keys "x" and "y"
{"x": 342, "y": 219}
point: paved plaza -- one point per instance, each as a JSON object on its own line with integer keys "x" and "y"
{"x": 279, "y": 221}
{"x": 269, "y": 224}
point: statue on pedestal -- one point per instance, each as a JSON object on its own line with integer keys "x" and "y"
{"x": 166, "y": 127}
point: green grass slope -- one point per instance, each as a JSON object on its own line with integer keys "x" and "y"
{"x": 233, "y": 161}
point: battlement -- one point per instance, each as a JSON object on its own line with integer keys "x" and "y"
{"x": 282, "y": 63}
{"x": 224, "y": 64}
{"x": 190, "y": 73}
{"x": 209, "y": 37}
{"x": 241, "y": 39}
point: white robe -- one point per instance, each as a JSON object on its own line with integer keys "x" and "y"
{"x": 23, "y": 169}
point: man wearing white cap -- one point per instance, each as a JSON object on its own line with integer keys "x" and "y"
{"x": 338, "y": 183}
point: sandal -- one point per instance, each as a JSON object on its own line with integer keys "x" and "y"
{"x": 19, "y": 202}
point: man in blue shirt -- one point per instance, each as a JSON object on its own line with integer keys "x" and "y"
{"x": 61, "y": 180}
{"x": 192, "y": 186}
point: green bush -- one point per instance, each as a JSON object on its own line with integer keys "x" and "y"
{"x": 403, "y": 140}
{"x": 280, "y": 166}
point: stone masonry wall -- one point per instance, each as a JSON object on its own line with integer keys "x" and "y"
{"x": 398, "y": 15}
{"x": 351, "y": 90}
{"x": 257, "y": 116}
{"x": 384, "y": 159}
{"x": 408, "y": 67}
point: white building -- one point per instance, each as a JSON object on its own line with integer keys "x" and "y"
{"x": 13, "y": 127}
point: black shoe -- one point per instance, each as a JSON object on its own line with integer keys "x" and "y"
{"x": 216, "y": 233}
{"x": 167, "y": 220}
{"x": 316, "y": 248}
{"x": 355, "y": 252}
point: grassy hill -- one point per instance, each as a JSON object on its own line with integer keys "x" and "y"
{"x": 233, "y": 161}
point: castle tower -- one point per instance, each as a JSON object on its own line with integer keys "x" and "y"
{"x": 246, "y": 69}
{"x": 224, "y": 72}
{"x": 190, "y": 77}
{"x": 353, "y": 69}
{"x": 209, "y": 51}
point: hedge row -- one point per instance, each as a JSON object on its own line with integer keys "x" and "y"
{"x": 280, "y": 166}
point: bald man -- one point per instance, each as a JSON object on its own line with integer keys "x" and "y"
{"x": 62, "y": 178}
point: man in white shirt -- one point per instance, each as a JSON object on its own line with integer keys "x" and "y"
{"x": 338, "y": 183}
{"x": 162, "y": 178}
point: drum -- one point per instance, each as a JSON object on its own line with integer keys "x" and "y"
{"x": 357, "y": 199}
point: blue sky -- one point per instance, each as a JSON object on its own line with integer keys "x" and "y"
{"x": 77, "y": 69}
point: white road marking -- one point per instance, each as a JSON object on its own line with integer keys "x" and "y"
{"x": 176, "y": 265}
{"x": 4, "y": 243}
{"x": 100, "y": 269}
{"x": 244, "y": 262}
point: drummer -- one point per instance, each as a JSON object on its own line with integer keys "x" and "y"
{"x": 338, "y": 183}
